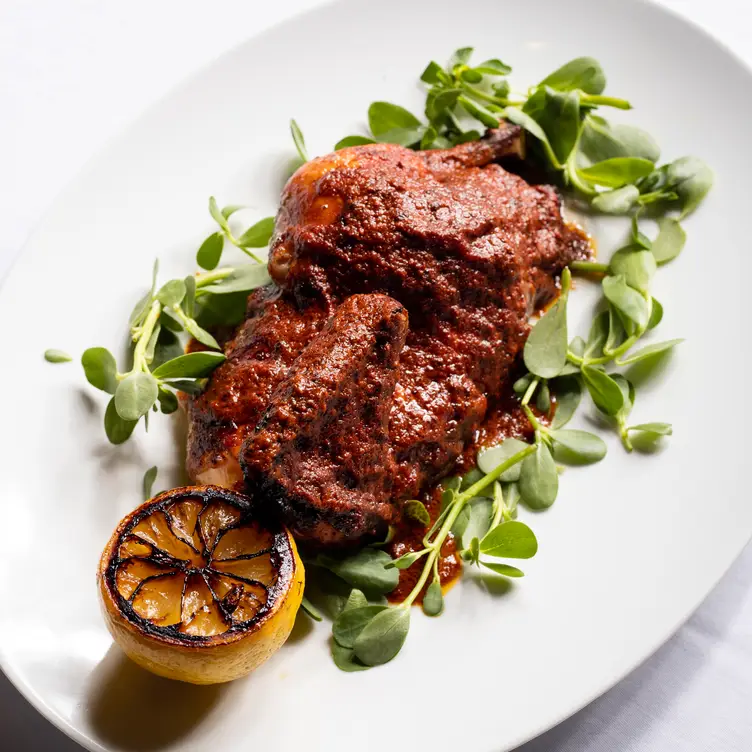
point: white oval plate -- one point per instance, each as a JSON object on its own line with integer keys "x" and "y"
{"x": 628, "y": 551}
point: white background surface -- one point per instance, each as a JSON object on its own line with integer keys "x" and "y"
{"x": 74, "y": 72}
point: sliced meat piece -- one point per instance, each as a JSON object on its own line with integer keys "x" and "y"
{"x": 258, "y": 358}
{"x": 321, "y": 453}
{"x": 468, "y": 248}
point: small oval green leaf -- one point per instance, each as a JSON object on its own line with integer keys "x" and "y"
{"x": 670, "y": 240}
{"x": 117, "y": 429}
{"x": 351, "y": 622}
{"x": 433, "y": 600}
{"x": 208, "y": 255}
{"x": 504, "y": 569}
{"x": 135, "y": 395}
{"x": 578, "y": 447}
{"x": 510, "y": 540}
{"x": 383, "y": 636}
{"x": 385, "y": 116}
{"x": 605, "y": 392}
{"x": 148, "y": 483}
{"x": 545, "y": 352}
{"x": 617, "y": 171}
{"x": 57, "y": 356}
{"x": 258, "y": 235}
{"x": 489, "y": 459}
{"x": 190, "y": 366}
{"x": 539, "y": 480}
{"x": 343, "y": 143}
{"x": 100, "y": 369}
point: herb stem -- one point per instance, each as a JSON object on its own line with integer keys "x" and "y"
{"x": 530, "y": 391}
{"x": 499, "y": 506}
{"x": 589, "y": 267}
{"x": 570, "y": 170}
{"x": 143, "y": 337}
{"x": 457, "y": 506}
{"x": 235, "y": 242}
{"x": 214, "y": 276}
{"x": 615, "y": 353}
{"x": 491, "y": 98}
{"x": 624, "y": 434}
{"x": 256, "y": 258}
{"x": 599, "y": 99}
{"x": 534, "y": 422}
{"x": 576, "y": 359}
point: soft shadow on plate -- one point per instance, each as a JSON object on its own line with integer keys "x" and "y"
{"x": 133, "y": 709}
{"x": 650, "y": 369}
{"x": 682, "y": 658}
{"x": 301, "y": 629}
{"x": 491, "y": 584}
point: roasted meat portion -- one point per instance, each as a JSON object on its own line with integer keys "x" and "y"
{"x": 466, "y": 247}
{"x": 321, "y": 450}
{"x": 258, "y": 357}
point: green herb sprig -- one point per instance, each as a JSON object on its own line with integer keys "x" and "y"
{"x": 628, "y": 312}
{"x": 611, "y": 166}
{"x": 159, "y": 366}
{"x": 57, "y": 356}
{"x": 367, "y": 634}
{"x": 257, "y": 235}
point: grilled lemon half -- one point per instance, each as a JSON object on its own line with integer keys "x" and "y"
{"x": 194, "y": 588}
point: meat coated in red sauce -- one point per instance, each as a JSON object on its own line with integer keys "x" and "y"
{"x": 321, "y": 450}
{"x": 467, "y": 248}
{"x": 258, "y": 358}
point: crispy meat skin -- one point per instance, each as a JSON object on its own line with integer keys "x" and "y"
{"x": 321, "y": 450}
{"x": 469, "y": 250}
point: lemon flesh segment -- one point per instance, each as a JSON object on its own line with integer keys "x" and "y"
{"x": 194, "y": 588}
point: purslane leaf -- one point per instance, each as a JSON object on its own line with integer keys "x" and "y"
{"x": 691, "y": 179}
{"x": 433, "y": 600}
{"x": 117, "y": 429}
{"x": 649, "y": 351}
{"x": 617, "y": 171}
{"x": 670, "y": 240}
{"x": 617, "y": 201}
{"x": 603, "y": 389}
{"x": 578, "y": 447}
{"x": 489, "y": 459}
{"x": 636, "y": 265}
{"x": 383, "y": 637}
{"x": 135, "y": 395}
{"x": 352, "y": 141}
{"x": 148, "y": 483}
{"x": 584, "y": 73}
{"x": 568, "y": 392}
{"x": 365, "y": 570}
{"x": 545, "y": 352}
{"x": 504, "y": 569}
{"x": 57, "y": 356}
{"x": 217, "y": 215}
{"x": 258, "y": 235}
{"x": 210, "y": 252}
{"x": 653, "y": 430}
{"x": 100, "y": 369}
{"x": 626, "y": 300}
{"x": 385, "y": 116}
{"x": 510, "y": 540}
{"x": 539, "y": 479}
{"x": 298, "y": 140}
{"x": 351, "y": 622}
{"x": 193, "y": 365}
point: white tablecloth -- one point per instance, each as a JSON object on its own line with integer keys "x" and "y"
{"x": 75, "y": 72}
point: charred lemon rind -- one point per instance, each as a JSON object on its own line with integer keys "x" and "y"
{"x": 169, "y": 649}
